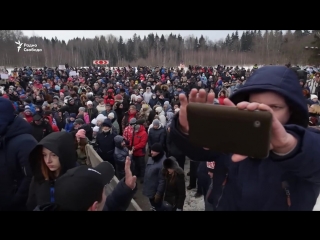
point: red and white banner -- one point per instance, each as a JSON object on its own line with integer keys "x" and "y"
{"x": 100, "y": 62}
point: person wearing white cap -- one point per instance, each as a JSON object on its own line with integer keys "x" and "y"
{"x": 147, "y": 95}
{"x": 95, "y": 130}
{"x": 161, "y": 115}
{"x": 115, "y": 123}
{"x": 99, "y": 119}
{"x": 314, "y": 99}
{"x": 92, "y": 112}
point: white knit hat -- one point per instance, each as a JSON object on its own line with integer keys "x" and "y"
{"x": 159, "y": 109}
{"x": 94, "y": 121}
{"x": 96, "y": 129}
{"x": 111, "y": 115}
{"x": 313, "y": 96}
{"x": 101, "y": 117}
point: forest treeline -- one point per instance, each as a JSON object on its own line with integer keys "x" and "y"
{"x": 251, "y": 47}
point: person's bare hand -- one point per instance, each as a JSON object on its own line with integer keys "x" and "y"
{"x": 131, "y": 181}
{"x": 195, "y": 96}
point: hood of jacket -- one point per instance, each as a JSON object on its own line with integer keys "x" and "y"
{"x": 141, "y": 129}
{"x": 168, "y": 109}
{"x": 118, "y": 140}
{"x": 49, "y": 118}
{"x": 281, "y": 80}
{"x": 171, "y": 163}
{"x": 10, "y": 124}
{"x": 225, "y": 93}
{"x": 60, "y": 143}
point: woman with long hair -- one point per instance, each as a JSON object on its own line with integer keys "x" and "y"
{"x": 80, "y": 144}
{"x": 50, "y": 159}
{"x": 175, "y": 187}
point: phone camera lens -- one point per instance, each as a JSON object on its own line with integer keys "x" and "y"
{"x": 256, "y": 124}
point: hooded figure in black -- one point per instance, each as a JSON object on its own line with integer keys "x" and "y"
{"x": 41, "y": 189}
{"x": 175, "y": 186}
{"x": 16, "y": 142}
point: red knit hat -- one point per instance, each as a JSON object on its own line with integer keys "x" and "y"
{"x": 118, "y": 98}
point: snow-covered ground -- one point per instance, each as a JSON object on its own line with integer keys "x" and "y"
{"x": 191, "y": 203}
{"x": 317, "y": 206}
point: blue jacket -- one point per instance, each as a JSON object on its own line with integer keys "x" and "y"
{"x": 16, "y": 142}
{"x": 69, "y": 126}
{"x": 32, "y": 108}
{"x": 262, "y": 185}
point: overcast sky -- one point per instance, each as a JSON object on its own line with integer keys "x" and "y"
{"x": 70, "y": 34}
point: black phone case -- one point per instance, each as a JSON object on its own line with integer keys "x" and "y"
{"x": 230, "y": 130}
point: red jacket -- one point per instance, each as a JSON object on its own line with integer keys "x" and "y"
{"x": 139, "y": 142}
{"x": 108, "y": 100}
{"x": 221, "y": 102}
{"x": 29, "y": 118}
{"x": 54, "y": 127}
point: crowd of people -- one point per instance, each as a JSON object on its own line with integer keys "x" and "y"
{"x": 135, "y": 119}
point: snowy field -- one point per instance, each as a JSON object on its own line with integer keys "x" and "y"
{"x": 317, "y": 206}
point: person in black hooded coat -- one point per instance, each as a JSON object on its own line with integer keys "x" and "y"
{"x": 119, "y": 109}
{"x": 16, "y": 142}
{"x": 105, "y": 142}
{"x": 61, "y": 145}
{"x": 175, "y": 186}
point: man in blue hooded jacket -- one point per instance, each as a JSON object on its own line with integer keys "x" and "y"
{"x": 16, "y": 142}
{"x": 289, "y": 179}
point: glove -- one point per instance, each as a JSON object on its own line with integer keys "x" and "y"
{"x": 179, "y": 210}
{"x": 157, "y": 198}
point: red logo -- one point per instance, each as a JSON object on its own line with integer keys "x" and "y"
{"x": 100, "y": 62}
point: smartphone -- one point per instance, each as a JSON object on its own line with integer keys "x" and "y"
{"x": 230, "y": 130}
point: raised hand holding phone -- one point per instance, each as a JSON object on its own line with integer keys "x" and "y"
{"x": 281, "y": 142}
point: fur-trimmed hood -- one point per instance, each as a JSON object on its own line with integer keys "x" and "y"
{"x": 226, "y": 93}
{"x": 164, "y": 87}
{"x": 171, "y": 163}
